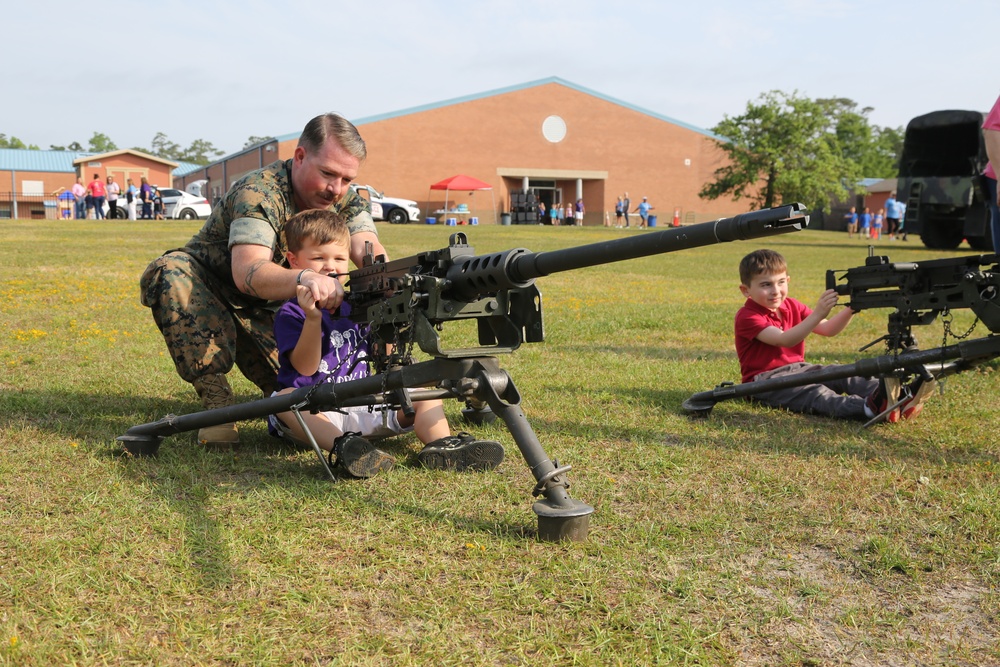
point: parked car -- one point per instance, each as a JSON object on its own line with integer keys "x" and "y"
{"x": 181, "y": 205}
{"x": 397, "y": 211}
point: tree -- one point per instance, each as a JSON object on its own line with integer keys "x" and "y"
{"x": 14, "y": 142}
{"x": 254, "y": 140}
{"x": 101, "y": 143}
{"x": 163, "y": 147}
{"x": 73, "y": 146}
{"x": 200, "y": 152}
{"x": 875, "y": 149}
{"x": 787, "y": 148}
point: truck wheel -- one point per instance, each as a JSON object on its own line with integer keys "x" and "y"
{"x": 984, "y": 242}
{"x": 397, "y": 216}
{"x": 941, "y": 233}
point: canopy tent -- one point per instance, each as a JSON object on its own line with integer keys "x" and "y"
{"x": 461, "y": 182}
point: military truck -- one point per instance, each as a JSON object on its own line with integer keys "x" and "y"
{"x": 939, "y": 180}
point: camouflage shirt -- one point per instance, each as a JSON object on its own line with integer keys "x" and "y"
{"x": 254, "y": 212}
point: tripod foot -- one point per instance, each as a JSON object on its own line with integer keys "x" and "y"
{"x": 140, "y": 445}
{"x": 563, "y": 522}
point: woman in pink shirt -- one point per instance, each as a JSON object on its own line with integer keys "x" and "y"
{"x": 97, "y": 191}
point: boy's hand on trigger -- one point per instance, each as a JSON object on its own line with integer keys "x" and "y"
{"x": 827, "y": 301}
{"x": 306, "y": 301}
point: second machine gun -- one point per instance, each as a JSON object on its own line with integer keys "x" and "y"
{"x": 919, "y": 292}
{"x": 406, "y": 301}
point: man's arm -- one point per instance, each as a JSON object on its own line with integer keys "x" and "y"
{"x": 257, "y": 275}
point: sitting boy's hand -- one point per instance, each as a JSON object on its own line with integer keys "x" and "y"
{"x": 826, "y": 302}
{"x": 306, "y": 301}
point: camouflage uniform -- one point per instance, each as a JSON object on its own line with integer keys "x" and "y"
{"x": 208, "y": 323}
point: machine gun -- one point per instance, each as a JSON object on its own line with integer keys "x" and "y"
{"x": 919, "y": 292}
{"x": 407, "y": 301}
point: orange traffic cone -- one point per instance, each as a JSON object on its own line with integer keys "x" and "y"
{"x": 677, "y": 217}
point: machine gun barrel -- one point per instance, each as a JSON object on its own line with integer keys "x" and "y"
{"x": 476, "y": 276}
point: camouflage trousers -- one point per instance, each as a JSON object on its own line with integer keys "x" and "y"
{"x": 204, "y": 332}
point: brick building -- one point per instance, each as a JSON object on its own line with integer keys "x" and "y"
{"x": 557, "y": 138}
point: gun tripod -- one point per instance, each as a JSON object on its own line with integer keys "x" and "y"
{"x": 479, "y": 380}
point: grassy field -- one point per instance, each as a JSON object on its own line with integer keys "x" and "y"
{"x": 752, "y": 537}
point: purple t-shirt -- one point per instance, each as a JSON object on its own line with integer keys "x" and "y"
{"x": 344, "y": 347}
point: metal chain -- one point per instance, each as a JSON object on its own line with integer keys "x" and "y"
{"x": 946, "y": 319}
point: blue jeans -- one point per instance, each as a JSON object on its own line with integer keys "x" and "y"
{"x": 81, "y": 209}
{"x": 98, "y": 208}
{"x": 991, "y": 195}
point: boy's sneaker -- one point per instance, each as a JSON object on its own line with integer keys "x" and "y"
{"x": 359, "y": 457}
{"x": 885, "y": 395}
{"x": 920, "y": 390}
{"x": 461, "y": 452}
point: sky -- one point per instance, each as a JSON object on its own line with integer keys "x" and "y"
{"x": 226, "y": 71}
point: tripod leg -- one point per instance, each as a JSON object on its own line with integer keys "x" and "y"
{"x": 559, "y": 516}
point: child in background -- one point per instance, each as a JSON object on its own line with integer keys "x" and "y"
{"x": 317, "y": 346}
{"x": 877, "y": 224}
{"x": 865, "y": 221}
{"x": 852, "y": 222}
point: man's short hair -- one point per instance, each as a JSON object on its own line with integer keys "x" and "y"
{"x": 319, "y": 225}
{"x": 761, "y": 262}
{"x": 333, "y": 126}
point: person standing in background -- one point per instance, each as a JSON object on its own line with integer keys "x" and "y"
{"x": 131, "y": 195}
{"x": 991, "y": 138}
{"x": 79, "y": 199}
{"x": 97, "y": 193}
{"x": 113, "y": 190}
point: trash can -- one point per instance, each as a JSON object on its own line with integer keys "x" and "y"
{"x": 431, "y": 221}
{"x": 505, "y": 218}
{"x": 651, "y": 221}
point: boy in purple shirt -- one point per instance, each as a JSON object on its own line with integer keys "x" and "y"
{"x": 317, "y": 346}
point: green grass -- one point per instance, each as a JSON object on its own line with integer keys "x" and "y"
{"x": 751, "y": 537}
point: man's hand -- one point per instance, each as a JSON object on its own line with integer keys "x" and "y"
{"x": 324, "y": 292}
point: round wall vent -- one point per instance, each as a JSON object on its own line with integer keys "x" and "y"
{"x": 554, "y": 129}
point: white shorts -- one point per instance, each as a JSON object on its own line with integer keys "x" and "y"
{"x": 357, "y": 419}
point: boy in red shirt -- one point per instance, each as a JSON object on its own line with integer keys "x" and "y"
{"x": 771, "y": 329}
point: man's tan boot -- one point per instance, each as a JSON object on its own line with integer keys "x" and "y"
{"x": 215, "y": 392}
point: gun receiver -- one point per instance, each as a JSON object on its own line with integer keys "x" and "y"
{"x": 406, "y": 300}
{"x": 920, "y": 291}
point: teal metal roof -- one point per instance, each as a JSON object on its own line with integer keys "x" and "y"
{"x": 13, "y": 159}
{"x": 186, "y": 168}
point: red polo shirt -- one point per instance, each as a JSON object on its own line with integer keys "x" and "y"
{"x": 756, "y": 357}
